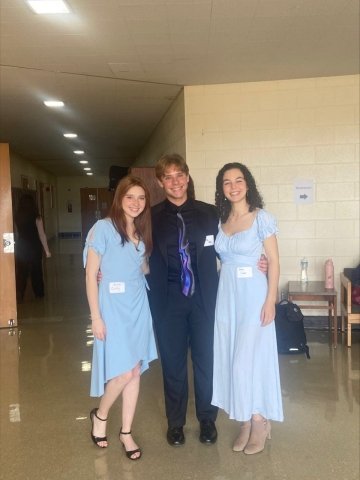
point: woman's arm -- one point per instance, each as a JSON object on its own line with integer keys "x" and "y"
{"x": 92, "y": 292}
{"x": 145, "y": 265}
{"x": 272, "y": 253}
{"x": 42, "y": 236}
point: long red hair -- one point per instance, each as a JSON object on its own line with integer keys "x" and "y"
{"x": 142, "y": 222}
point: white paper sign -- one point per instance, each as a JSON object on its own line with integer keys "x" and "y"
{"x": 117, "y": 287}
{"x": 304, "y": 191}
{"x": 209, "y": 240}
{"x": 244, "y": 272}
{"x": 8, "y": 242}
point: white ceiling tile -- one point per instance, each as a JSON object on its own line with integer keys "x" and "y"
{"x": 145, "y": 11}
{"x": 118, "y": 68}
{"x": 234, "y": 8}
{"x": 85, "y": 55}
{"x": 154, "y": 40}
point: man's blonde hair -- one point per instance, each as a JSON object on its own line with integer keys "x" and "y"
{"x": 168, "y": 160}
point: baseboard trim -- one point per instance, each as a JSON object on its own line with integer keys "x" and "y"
{"x": 322, "y": 323}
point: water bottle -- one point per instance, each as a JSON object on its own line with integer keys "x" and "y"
{"x": 304, "y": 273}
{"x": 329, "y": 273}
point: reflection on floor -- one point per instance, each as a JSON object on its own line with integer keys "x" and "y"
{"x": 44, "y": 409}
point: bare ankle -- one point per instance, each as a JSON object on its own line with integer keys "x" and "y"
{"x": 258, "y": 418}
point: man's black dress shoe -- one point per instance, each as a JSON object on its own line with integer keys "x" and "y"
{"x": 208, "y": 432}
{"x": 175, "y": 436}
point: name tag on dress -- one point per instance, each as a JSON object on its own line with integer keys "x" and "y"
{"x": 117, "y": 287}
{"x": 209, "y": 240}
{"x": 244, "y": 272}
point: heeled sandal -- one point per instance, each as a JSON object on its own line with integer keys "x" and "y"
{"x": 95, "y": 439}
{"x": 243, "y": 437}
{"x": 260, "y": 432}
{"x": 130, "y": 453}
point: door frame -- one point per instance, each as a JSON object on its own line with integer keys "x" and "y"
{"x": 8, "y": 311}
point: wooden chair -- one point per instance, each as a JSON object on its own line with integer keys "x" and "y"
{"x": 349, "y": 310}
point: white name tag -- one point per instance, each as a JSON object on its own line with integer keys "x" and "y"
{"x": 244, "y": 272}
{"x": 209, "y": 240}
{"x": 117, "y": 287}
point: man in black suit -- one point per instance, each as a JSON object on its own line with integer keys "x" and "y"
{"x": 184, "y": 321}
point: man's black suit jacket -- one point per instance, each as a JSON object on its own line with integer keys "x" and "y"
{"x": 205, "y": 225}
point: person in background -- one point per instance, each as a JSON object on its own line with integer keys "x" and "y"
{"x": 30, "y": 243}
{"x": 183, "y": 284}
{"x": 121, "y": 321}
{"x": 246, "y": 371}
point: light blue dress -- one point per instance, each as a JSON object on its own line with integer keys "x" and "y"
{"x": 123, "y": 305}
{"x": 246, "y": 370}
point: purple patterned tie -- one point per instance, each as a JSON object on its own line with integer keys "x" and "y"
{"x": 187, "y": 275}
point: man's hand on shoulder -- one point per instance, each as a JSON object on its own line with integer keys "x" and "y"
{"x": 263, "y": 264}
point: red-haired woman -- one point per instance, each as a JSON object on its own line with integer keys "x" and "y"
{"x": 124, "y": 343}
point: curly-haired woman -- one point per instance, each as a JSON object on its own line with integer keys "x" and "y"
{"x": 246, "y": 373}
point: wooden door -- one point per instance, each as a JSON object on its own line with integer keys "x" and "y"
{"x": 147, "y": 174}
{"x": 95, "y": 204}
{"x": 105, "y": 200}
{"x": 8, "y": 311}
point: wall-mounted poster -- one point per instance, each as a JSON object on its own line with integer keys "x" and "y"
{"x": 304, "y": 191}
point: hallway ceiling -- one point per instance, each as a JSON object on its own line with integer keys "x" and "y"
{"x": 119, "y": 64}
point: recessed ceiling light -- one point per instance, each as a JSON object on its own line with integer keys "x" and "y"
{"x": 54, "y": 103}
{"x": 70, "y": 135}
{"x": 89, "y": 173}
{"x": 83, "y": 161}
{"x": 48, "y": 6}
{"x": 79, "y": 152}
{"x": 87, "y": 168}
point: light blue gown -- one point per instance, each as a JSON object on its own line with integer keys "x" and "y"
{"x": 123, "y": 305}
{"x": 246, "y": 370}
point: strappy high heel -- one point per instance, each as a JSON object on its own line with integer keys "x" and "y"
{"x": 95, "y": 439}
{"x": 130, "y": 453}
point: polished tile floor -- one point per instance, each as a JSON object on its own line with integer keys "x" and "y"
{"x": 44, "y": 408}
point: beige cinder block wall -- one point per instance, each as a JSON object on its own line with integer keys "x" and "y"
{"x": 167, "y": 137}
{"x": 284, "y": 131}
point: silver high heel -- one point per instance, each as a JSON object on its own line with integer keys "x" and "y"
{"x": 260, "y": 431}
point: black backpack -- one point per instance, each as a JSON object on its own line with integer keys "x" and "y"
{"x": 290, "y": 332}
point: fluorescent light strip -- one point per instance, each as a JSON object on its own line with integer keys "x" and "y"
{"x": 79, "y": 152}
{"x": 89, "y": 173}
{"x": 54, "y": 103}
{"x": 70, "y": 135}
{"x": 87, "y": 168}
{"x": 42, "y": 7}
{"x": 83, "y": 161}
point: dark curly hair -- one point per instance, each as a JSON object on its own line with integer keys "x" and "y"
{"x": 253, "y": 197}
